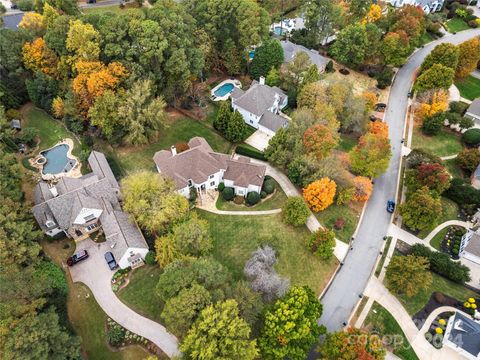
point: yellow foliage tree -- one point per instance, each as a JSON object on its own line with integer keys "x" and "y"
{"x": 370, "y": 100}
{"x": 33, "y": 22}
{"x": 49, "y": 14}
{"x": 363, "y": 188}
{"x": 58, "y": 107}
{"x": 83, "y": 41}
{"x": 319, "y": 194}
{"x": 373, "y": 14}
{"x": 432, "y": 104}
{"x": 37, "y": 56}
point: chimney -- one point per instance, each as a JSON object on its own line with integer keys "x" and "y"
{"x": 53, "y": 190}
{"x": 276, "y": 103}
{"x": 261, "y": 80}
{"x": 174, "y": 150}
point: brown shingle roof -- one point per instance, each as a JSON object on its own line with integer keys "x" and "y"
{"x": 244, "y": 174}
{"x": 258, "y": 98}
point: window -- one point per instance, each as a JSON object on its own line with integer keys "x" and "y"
{"x": 189, "y": 182}
{"x": 251, "y": 122}
{"x": 212, "y": 183}
{"x": 240, "y": 192}
{"x": 89, "y": 217}
{"x": 91, "y": 227}
{"x": 211, "y": 176}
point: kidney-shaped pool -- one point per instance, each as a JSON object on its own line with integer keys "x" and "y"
{"x": 57, "y": 160}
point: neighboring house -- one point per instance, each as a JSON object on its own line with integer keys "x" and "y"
{"x": 15, "y": 124}
{"x": 290, "y": 50}
{"x": 473, "y": 111}
{"x": 287, "y": 26}
{"x": 463, "y": 335}
{"x": 475, "y": 178}
{"x": 78, "y": 207}
{"x": 200, "y": 168}
{"x": 428, "y": 6}
{"x": 470, "y": 246}
{"x": 261, "y": 105}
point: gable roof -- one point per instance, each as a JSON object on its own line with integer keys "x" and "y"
{"x": 473, "y": 246}
{"x": 244, "y": 173}
{"x": 474, "y": 108}
{"x": 258, "y": 98}
{"x": 465, "y": 333}
{"x": 290, "y": 50}
{"x": 99, "y": 165}
{"x": 273, "y": 121}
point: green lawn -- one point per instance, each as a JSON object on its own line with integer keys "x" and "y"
{"x": 437, "y": 239}
{"x": 469, "y": 87}
{"x": 140, "y": 294}
{"x": 449, "y": 212}
{"x": 378, "y": 270}
{"x": 116, "y": 9}
{"x": 347, "y": 143}
{"x": 50, "y": 131}
{"x": 426, "y": 38}
{"x": 275, "y": 201}
{"x": 453, "y": 168}
{"x": 385, "y": 325}
{"x": 441, "y": 284}
{"x": 133, "y": 158}
{"x": 350, "y": 214}
{"x": 236, "y": 237}
{"x": 456, "y": 24}
{"x": 443, "y": 144}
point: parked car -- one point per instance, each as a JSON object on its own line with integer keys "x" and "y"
{"x": 91, "y": 1}
{"x": 380, "y": 107}
{"x": 112, "y": 264}
{"x": 77, "y": 257}
{"x": 390, "y": 206}
{"x": 14, "y": 7}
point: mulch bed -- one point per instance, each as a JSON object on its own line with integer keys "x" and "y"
{"x": 436, "y": 300}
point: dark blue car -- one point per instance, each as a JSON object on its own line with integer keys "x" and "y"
{"x": 112, "y": 264}
{"x": 390, "y": 206}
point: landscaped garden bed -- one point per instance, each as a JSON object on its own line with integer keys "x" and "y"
{"x": 120, "y": 278}
{"x": 452, "y": 240}
{"x": 436, "y": 331}
{"x": 437, "y": 299}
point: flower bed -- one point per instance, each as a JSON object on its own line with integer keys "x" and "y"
{"x": 434, "y": 335}
{"x": 120, "y": 278}
{"x": 118, "y": 337}
{"x": 452, "y": 240}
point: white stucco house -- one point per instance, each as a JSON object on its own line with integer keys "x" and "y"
{"x": 290, "y": 50}
{"x": 428, "y": 6}
{"x": 470, "y": 246}
{"x": 79, "y": 207}
{"x": 200, "y": 168}
{"x": 261, "y": 105}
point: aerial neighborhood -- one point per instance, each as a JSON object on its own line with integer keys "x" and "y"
{"x": 218, "y": 179}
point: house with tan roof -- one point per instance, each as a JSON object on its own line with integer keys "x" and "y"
{"x": 200, "y": 168}
{"x": 261, "y": 105}
{"x": 79, "y": 207}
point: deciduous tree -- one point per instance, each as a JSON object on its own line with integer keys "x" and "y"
{"x": 421, "y": 210}
{"x": 351, "y": 45}
{"x": 432, "y": 103}
{"x": 192, "y": 237}
{"x": 322, "y": 17}
{"x": 295, "y": 211}
{"x": 434, "y": 176}
{"x": 320, "y": 194}
{"x": 267, "y": 56}
{"x": 445, "y": 54}
{"x": 408, "y": 274}
{"x": 373, "y": 14}
{"x": 378, "y": 128}
{"x": 395, "y": 48}
{"x": 319, "y": 140}
{"x": 468, "y": 58}
{"x": 33, "y": 23}
{"x": 437, "y": 77}
{"x": 38, "y": 57}
{"x": 363, "y": 188}
{"x": 371, "y": 156}
{"x": 83, "y": 41}
{"x": 322, "y": 243}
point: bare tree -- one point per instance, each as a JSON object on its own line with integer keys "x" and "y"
{"x": 259, "y": 269}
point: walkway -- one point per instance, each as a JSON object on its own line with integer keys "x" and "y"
{"x": 450, "y": 157}
{"x": 95, "y": 273}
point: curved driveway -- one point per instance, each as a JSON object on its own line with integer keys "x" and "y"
{"x": 343, "y": 294}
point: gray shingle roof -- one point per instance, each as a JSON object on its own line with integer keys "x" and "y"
{"x": 273, "y": 121}
{"x": 474, "y": 108}
{"x": 258, "y": 98}
{"x": 99, "y": 165}
{"x": 244, "y": 173}
{"x": 473, "y": 246}
{"x": 290, "y": 50}
{"x": 465, "y": 333}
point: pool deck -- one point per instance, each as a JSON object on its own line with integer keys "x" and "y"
{"x": 234, "y": 82}
{"x": 74, "y": 172}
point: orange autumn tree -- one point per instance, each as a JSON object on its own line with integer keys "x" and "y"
{"x": 93, "y": 79}
{"x": 469, "y": 55}
{"x": 363, "y": 188}
{"x": 373, "y": 14}
{"x": 432, "y": 103}
{"x": 379, "y": 128}
{"x": 319, "y": 140}
{"x": 319, "y": 194}
{"x": 37, "y": 56}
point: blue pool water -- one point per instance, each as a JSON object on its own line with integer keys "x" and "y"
{"x": 278, "y": 30}
{"x": 224, "y": 90}
{"x": 57, "y": 160}
{"x": 251, "y": 54}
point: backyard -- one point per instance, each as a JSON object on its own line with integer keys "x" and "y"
{"x": 236, "y": 237}
{"x": 380, "y": 321}
{"x": 469, "y": 87}
{"x": 445, "y": 143}
{"x": 350, "y": 213}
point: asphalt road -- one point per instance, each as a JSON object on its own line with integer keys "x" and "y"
{"x": 351, "y": 280}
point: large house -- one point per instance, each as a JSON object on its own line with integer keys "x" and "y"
{"x": 261, "y": 106}
{"x": 290, "y": 50}
{"x": 463, "y": 335}
{"x": 79, "y": 207}
{"x": 428, "y": 6}
{"x": 473, "y": 111}
{"x": 200, "y": 168}
{"x": 470, "y": 246}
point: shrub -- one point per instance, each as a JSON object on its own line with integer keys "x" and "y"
{"x": 458, "y": 107}
{"x": 269, "y": 186}
{"x": 246, "y": 151}
{"x": 322, "y": 243}
{"x": 295, "y": 211}
{"x": 439, "y": 297}
{"x": 150, "y": 258}
{"x": 329, "y": 67}
{"x": 339, "y": 223}
{"x": 433, "y": 124}
{"x": 11, "y": 114}
{"x": 462, "y": 193}
{"x": 116, "y": 335}
{"x": 441, "y": 264}
{"x": 25, "y": 5}
{"x": 384, "y": 78}
{"x": 221, "y": 186}
{"x": 468, "y": 160}
{"x": 181, "y": 147}
{"x": 228, "y": 193}
{"x": 239, "y": 200}
{"x": 471, "y": 137}
{"x": 473, "y": 24}
{"x": 263, "y": 194}
{"x": 253, "y": 198}
{"x": 419, "y": 156}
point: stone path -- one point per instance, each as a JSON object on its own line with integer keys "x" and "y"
{"x": 450, "y": 157}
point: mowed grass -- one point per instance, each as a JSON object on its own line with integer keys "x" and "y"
{"x": 469, "y": 87}
{"x": 426, "y": 38}
{"x": 274, "y": 201}
{"x": 236, "y": 237}
{"x": 116, "y": 9}
{"x": 347, "y": 143}
{"x": 50, "y": 131}
{"x": 453, "y": 168}
{"x": 134, "y": 158}
{"x": 445, "y": 143}
{"x": 383, "y": 323}
{"x": 449, "y": 212}
{"x": 140, "y": 294}
{"x": 415, "y": 303}
{"x": 438, "y": 238}
{"x": 85, "y": 315}
{"x": 456, "y": 24}
{"x": 349, "y": 213}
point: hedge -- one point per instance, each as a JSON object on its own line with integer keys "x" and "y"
{"x": 253, "y": 197}
{"x": 243, "y": 150}
{"x": 471, "y": 137}
{"x": 441, "y": 264}
{"x": 268, "y": 186}
{"x": 228, "y": 193}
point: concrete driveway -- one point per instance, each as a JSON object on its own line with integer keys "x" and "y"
{"x": 95, "y": 273}
{"x": 259, "y": 140}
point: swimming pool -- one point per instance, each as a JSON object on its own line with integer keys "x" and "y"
{"x": 57, "y": 160}
{"x": 278, "y": 30}
{"x": 223, "y": 90}
{"x": 251, "y": 54}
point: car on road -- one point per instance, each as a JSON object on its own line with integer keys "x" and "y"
{"x": 390, "y": 206}
{"x": 380, "y": 107}
{"x": 77, "y": 257}
{"x": 112, "y": 264}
